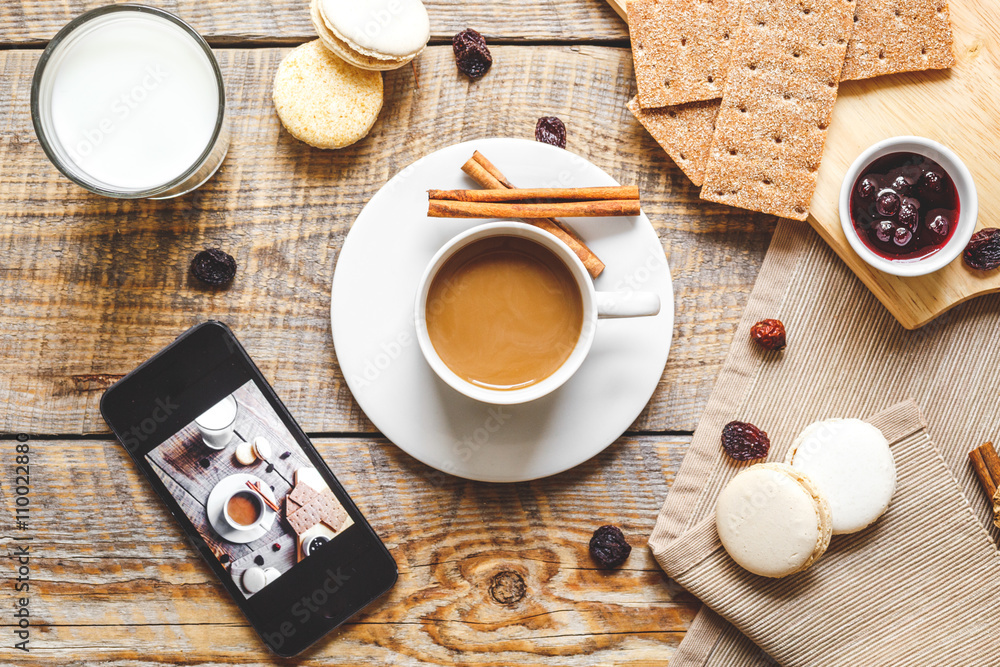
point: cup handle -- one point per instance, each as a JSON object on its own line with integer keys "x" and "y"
{"x": 627, "y": 304}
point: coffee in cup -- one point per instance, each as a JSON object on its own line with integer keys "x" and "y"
{"x": 504, "y": 312}
{"x": 243, "y": 510}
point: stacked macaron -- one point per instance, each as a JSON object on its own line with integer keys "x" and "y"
{"x": 376, "y": 35}
{"x": 776, "y": 519}
{"x": 247, "y": 453}
{"x": 328, "y": 93}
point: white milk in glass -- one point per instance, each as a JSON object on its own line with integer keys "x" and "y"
{"x": 218, "y": 422}
{"x": 134, "y": 100}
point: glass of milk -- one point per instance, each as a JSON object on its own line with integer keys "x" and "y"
{"x": 218, "y": 423}
{"x": 128, "y": 101}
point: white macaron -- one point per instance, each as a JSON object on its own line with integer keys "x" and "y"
{"x": 372, "y": 34}
{"x": 262, "y": 448}
{"x": 851, "y": 463}
{"x": 772, "y": 520}
{"x": 254, "y": 579}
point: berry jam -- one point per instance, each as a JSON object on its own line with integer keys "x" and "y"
{"x": 904, "y": 206}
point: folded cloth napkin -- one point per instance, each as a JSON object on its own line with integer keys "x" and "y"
{"x": 920, "y": 586}
{"x": 846, "y": 357}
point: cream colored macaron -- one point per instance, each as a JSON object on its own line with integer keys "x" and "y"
{"x": 324, "y": 101}
{"x": 372, "y": 34}
{"x": 851, "y": 463}
{"x": 772, "y": 520}
{"x": 245, "y": 454}
{"x": 262, "y": 448}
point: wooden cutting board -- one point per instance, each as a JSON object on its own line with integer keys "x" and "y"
{"x": 957, "y": 107}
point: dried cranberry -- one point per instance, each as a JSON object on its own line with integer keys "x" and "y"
{"x": 608, "y": 546}
{"x": 214, "y": 267}
{"x": 887, "y": 203}
{"x": 769, "y": 334}
{"x": 471, "y": 53}
{"x": 276, "y": 547}
{"x": 551, "y": 130}
{"x": 983, "y": 251}
{"x": 744, "y": 441}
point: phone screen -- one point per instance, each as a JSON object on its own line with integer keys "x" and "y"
{"x": 249, "y": 489}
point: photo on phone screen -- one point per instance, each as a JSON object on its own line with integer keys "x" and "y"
{"x": 249, "y": 489}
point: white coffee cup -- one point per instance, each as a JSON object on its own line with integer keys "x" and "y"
{"x": 218, "y": 423}
{"x": 596, "y": 305}
{"x": 233, "y": 523}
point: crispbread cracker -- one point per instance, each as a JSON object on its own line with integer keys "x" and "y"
{"x": 324, "y": 101}
{"x": 684, "y": 131}
{"x": 893, "y": 36}
{"x": 782, "y": 84}
{"x": 302, "y": 494}
{"x": 322, "y": 507}
{"x": 680, "y": 48}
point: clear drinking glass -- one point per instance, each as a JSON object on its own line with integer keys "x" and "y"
{"x": 128, "y": 101}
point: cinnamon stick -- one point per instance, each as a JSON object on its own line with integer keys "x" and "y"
{"x": 267, "y": 501}
{"x": 497, "y": 176}
{"x": 538, "y": 195}
{"x": 577, "y": 209}
{"x": 987, "y": 465}
{"x": 483, "y": 172}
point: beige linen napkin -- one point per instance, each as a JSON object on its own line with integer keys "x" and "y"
{"x": 846, "y": 357}
{"x": 920, "y": 586}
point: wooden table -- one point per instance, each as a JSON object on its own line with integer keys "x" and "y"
{"x": 489, "y": 574}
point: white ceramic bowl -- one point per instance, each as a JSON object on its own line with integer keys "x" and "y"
{"x": 967, "y": 197}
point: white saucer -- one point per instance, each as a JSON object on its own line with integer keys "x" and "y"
{"x": 374, "y": 288}
{"x": 221, "y": 492}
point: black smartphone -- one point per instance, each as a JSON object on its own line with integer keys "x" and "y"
{"x": 249, "y": 489}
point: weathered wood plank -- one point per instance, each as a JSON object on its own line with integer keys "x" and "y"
{"x": 287, "y": 21}
{"x": 91, "y": 286}
{"x": 489, "y": 574}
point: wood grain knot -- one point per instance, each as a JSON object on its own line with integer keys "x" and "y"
{"x": 507, "y": 587}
